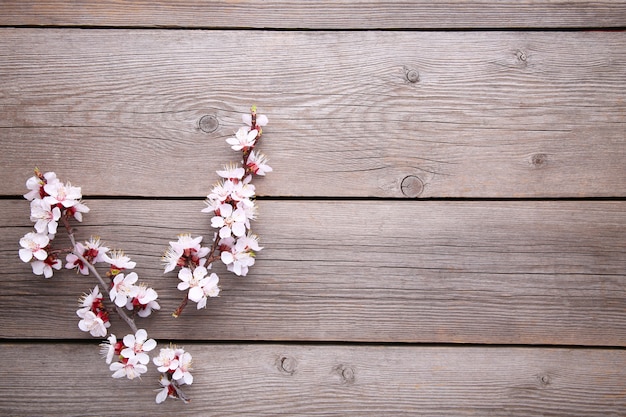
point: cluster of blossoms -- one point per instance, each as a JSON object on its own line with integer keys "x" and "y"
{"x": 231, "y": 204}
{"x": 52, "y": 202}
{"x": 174, "y": 364}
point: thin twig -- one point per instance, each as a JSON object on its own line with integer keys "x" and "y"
{"x": 119, "y": 310}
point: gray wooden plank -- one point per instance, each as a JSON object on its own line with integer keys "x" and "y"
{"x": 519, "y": 272}
{"x": 275, "y": 379}
{"x": 492, "y": 114}
{"x": 322, "y": 14}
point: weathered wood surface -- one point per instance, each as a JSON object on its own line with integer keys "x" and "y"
{"x": 303, "y": 380}
{"x": 516, "y": 119}
{"x": 489, "y": 114}
{"x": 387, "y": 271}
{"x": 320, "y": 14}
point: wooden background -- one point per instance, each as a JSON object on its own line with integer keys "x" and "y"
{"x": 444, "y": 232}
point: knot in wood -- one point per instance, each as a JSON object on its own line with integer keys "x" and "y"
{"x": 346, "y": 373}
{"x": 521, "y": 55}
{"x": 287, "y": 364}
{"x": 538, "y": 160}
{"x": 544, "y": 380}
{"x": 208, "y": 123}
{"x": 412, "y": 186}
{"x": 412, "y": 75}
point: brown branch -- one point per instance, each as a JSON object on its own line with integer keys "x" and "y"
{"x": 129, "y": 321}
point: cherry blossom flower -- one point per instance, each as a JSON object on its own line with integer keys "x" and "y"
{"x": 221, "y": 191}
{"x": 243, "y": 191}
{"x": 144, "y": 300}
{"x": 137, "y": 345}
{"x": 91, "y": 301}
{"x": 239, "y": 256}
{"x": 243, "y": 140}
{"x": 182, "y": 373}
{"x": 167, "y": 361}
{"x": 91, "y": 250}
{"x": 46, "y": 266}
{"x": 261, "y": 120}
{"x": 209, "y": 289}
{"x": 229, "y": 221}
{"x": 187, "y": 251}
{"x": 257, "y": 163}
{"x": 232, "y": 172}
{"x": 168, "y": 390}
{"x": 128, "y": 367}
{"x": 123, "y": 289}
{"x": 77, "y": 210}
{"x": 36, "y": 183}
{"x": 112, "y": 347}
{"x": 212, "y": 205}
{"x": 191, "y": 281}
{"x": 46, "y": 217}
{"x": 118, "y": 261}
{"x": 92, "y": 323}
{"x": 34, "y": 245}
{"x": 95, "y": 318}
{"x": 173, "y": 361}
{"x": 64, "y": 194}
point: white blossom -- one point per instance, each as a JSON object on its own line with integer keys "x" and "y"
{"x": 137, "y": 345}
{"x": 45, "y": 217}
{"x": 129, "y": 368}
{"x": 34, "y": 245}
{"x": 123, "y": 288}
{"x": 244, "y": 139}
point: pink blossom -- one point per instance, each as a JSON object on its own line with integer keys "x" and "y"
{"x": 137, "y": 345}
{"x": 191, "y": 281}
{"x": 123, "y": 289}
{"x": 182, "y": 373}
{"x": 209, "y": 289}
{"x": 229, "y": 221}
{"x": 261, "y": 120}
{"x": 187, "y": 250}
{"x": 36, "y": 183}
{"x": 34, "y": 245}
{"x": 145, "y": 301}
{"x": 46, "y": 266}
{"x": 239, "y": 256}
{"x": 257, "y": 163}
{"x": 46, "y": 217}
{"x": 77, "y": 210}
{"x": 92, "y": 323}
{"x": 232, "y": 172}
{"x": 118, "y": 261}
{"x": 63, "y": 194}
{"x": 244, "y": 139}
{"x": 128, "y": 367}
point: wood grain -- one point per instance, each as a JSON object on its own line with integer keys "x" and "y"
{"x": 534, "y": 272}
{"x": 492, "y": 114}
{"x": 320, "y": 14}
{"x": 275, "y": 379}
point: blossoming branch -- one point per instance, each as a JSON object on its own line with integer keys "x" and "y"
{"x": 231, "y": 203}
